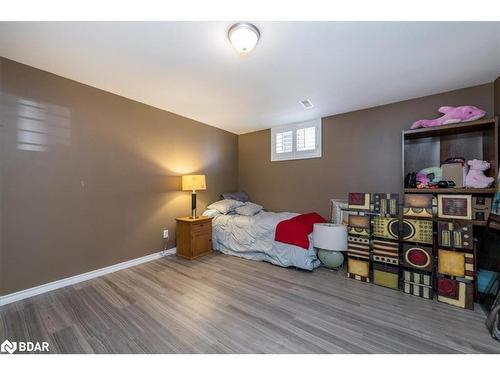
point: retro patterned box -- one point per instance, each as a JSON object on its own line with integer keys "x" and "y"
{"x": 456, "y": 293}
{"x": 421, "y": 205}
{"x": 359, "y": 225}
{"x": 358, "y": 247}
{"x": 386, "y": 251}
{"x": 456, "y": 263}
{"x": 385, "y": 275}
{"x": 413, "y": 230}
{"x": 386, "y": 204}
{"x": 418, "y": 284}
{"x": 455, "y": 206}
{"x": 456, "y": 235}
{"x": 387, "y": 228}
{"x": 359, "y": 201}
{"x": 418, "y": 257}
{"x": 358, "y": 269}
{"x": 481, "y": 208}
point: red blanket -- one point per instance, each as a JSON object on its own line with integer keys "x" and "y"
{"x": 294, "y": 231}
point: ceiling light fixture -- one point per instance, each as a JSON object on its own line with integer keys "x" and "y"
{"x": 243, "y": 36}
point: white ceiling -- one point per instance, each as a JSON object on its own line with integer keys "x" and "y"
{"x": 191, "y": 69}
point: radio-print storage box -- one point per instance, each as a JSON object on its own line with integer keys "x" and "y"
{"x": 418, "y": 257}
{"x": 456, "y": 235}
{"x": 455, "y": 206}
{"x": 413, "y": 230}
{"x": 420, "y": 205}
{"x": 358, "y": 269}
{"x": 418, "y": 284}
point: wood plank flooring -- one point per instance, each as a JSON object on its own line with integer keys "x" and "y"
{"x": 224, "y": 304}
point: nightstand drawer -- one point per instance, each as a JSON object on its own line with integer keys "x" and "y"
{"x": 205, "y": 227}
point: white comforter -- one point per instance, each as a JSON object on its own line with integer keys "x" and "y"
{"x": 252, "y": 237}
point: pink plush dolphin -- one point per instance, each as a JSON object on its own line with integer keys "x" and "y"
{"x": 452, "y": 115}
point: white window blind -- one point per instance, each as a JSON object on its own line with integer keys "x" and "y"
{"x": 306, "y": 139}
{"x": 296, "y": 141}
{"x": 284, "y": 142}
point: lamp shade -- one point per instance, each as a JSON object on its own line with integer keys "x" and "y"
{"x": 329, "y": 236}
{"x": 194, "y": 182}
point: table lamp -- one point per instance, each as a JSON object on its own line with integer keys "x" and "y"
{"x": 331, "y": 241}
{"x": 193, "y": 182}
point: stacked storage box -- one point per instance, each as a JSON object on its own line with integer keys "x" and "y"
{"x": 385, "y": 241}
{"x": 418, "y": 254}
{"x": 359, "y": 236}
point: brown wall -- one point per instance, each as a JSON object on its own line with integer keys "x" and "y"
{"x": 104, "y": 180}
{"x": 361, "y": 152}
{"x": 497, "y": 96}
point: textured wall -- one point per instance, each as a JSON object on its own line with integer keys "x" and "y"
{"x": 361, "y": 152}
{"x": 90, "y": 179}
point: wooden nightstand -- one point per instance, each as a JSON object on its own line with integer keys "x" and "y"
{"x": 193, "y": 237}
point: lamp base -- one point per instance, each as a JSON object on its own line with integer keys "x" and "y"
{"x": 193, "y": 205}
{"x": 331, "y": 259}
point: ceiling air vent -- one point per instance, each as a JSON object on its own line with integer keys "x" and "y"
{"x": 306, "y": 104}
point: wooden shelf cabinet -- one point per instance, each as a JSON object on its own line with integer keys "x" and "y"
{"x": 193, "y": 237}
{"x": 423, "y": 148}
{"x": 427, "y": 147}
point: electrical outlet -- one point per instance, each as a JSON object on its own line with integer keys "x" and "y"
{"x": 165, "y": 233}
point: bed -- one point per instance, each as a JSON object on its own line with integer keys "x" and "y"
{"x": 252, "y": 237}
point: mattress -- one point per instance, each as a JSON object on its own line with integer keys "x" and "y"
{"x": 252, "y": 237}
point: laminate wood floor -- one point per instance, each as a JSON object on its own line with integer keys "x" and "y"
{"x": 224, "y": 304}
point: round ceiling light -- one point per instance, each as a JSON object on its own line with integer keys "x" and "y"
{"x": 243, "y": 36}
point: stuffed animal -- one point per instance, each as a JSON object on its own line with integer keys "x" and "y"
{"x": 476, "y": 178}
{"x": 431, "y": 174}
{"x": 452, "y": 115}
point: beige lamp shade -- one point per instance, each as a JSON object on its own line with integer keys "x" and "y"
{"x": 194, "y": 182}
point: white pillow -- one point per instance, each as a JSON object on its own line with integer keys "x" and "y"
{"x": 226, "y": 205}
{"x": 210, "y": 213}
{"x": 249, "y": 209}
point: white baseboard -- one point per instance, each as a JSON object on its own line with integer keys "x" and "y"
{"x": 22, "y": 294}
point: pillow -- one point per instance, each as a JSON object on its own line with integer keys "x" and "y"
{"x": 225, "y": 205}
{"x": 210, "y": 213}
{"x": 249, "y": 209}
{"x": 238, "y": 196}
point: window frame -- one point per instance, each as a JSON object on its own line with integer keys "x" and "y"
{"x": 294, "y": 154}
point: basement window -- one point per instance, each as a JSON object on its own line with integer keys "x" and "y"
{"x": 296, "y": 141}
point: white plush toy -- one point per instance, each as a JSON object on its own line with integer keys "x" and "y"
{"x": 476, "y": 178}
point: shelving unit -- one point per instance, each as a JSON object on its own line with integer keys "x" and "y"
{"x": 452, "y": 191}
{"x": 423, "y": 148}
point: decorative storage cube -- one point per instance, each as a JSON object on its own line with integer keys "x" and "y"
{"x": 386, "y": 251}
{"x": 386, "y": 204}
{"x": 413, "y": 230}
{"x": 481, "y": 208}
{"x": 386, "y": 275}
{"x": 455, "y": 206}
{"x": 456, "y": 263}
{"x": 418, "y": 284}
{"x": 456, "y": 235}
{"x": 384, "y": 227}
{"x": 418, "y": 257}
{"x": 359, "y": 201}
{"x": 358, "y": 247}
{"x": 417, "y": 231}
{"x": 456, "y": 293}
{"x": 358, "y": 269}
{"x": 359, "y": 225}
{"x": 420, "y": 205}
